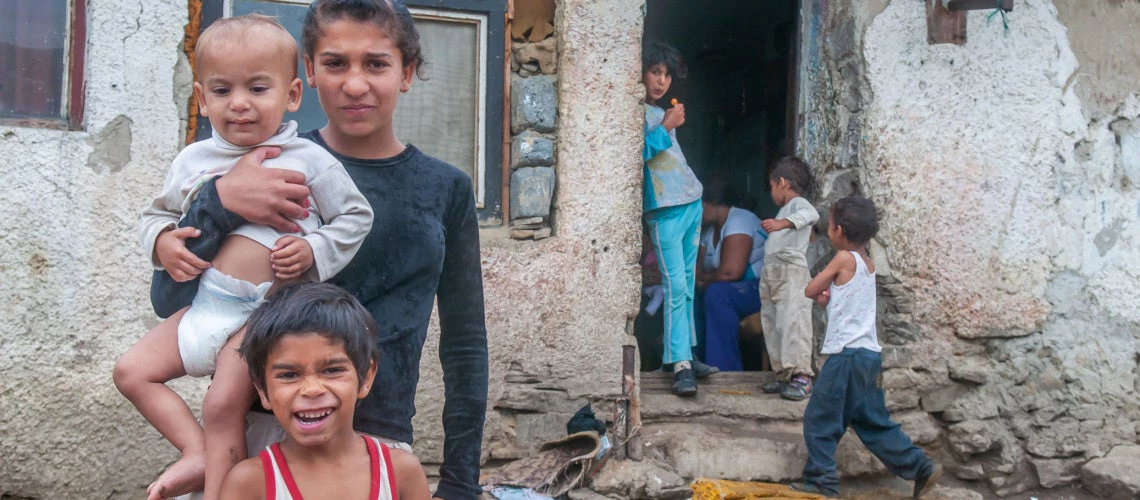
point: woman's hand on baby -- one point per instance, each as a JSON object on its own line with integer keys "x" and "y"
{"x": 180, "y": 263}
{"x": 267, "y": 196}
{"x": 291, "y": 257}
{"x": 674, "y": 117}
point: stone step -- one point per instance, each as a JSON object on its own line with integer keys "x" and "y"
{"x": 771, "y": 452}
{"x": 743, "y": 381}
{"x": 713, "y": 401}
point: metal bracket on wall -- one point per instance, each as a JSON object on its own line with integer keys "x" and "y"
{"x": 960, "y": 5}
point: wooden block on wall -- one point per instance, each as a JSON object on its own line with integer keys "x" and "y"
{"x": 943, "y": 25}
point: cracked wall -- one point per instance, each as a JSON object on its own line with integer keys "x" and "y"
{"x": 75, "y": 281}
{"x": 1003, "y": 170}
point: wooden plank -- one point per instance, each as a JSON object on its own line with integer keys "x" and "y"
{"x": 944, "y": 25}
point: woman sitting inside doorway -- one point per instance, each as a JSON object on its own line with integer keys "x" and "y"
{"x": 730, "y": 259}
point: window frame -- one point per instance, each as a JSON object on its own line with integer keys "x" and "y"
{"x": 74, "y": 84}
{"x": 492, "y": 64}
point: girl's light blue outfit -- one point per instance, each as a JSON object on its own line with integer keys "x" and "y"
{"x": 672, "y": 207}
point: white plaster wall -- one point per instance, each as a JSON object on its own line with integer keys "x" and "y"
{"x": 1008, "y": 208}
{"x": 74, "y": 292}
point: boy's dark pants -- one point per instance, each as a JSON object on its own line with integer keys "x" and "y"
{"x": 847, "y": 393}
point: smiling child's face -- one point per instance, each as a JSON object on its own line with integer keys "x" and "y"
{"x": 312, "y": 388}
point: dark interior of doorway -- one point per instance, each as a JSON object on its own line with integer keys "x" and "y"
{"x": 739, "y": 105}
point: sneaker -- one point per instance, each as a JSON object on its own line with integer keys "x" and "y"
{"x": 685, "y": 383}
{"x": 813, "y": 489}
{"x": 798, "y": 389}
{"x": 923, "y": 485}
{"x": 774, "y": 387}
{"x": 702, "y": 370}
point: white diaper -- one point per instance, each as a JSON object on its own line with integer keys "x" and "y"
{"x": 220, "y": 309}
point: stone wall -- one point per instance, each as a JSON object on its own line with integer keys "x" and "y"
{"x": 1003, "y": 170}
{"x": 534, "y": 108}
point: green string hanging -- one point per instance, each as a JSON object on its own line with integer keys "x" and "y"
{"x": 999, "y": 10}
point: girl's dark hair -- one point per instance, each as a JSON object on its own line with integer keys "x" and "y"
{"x": 320, "y": 308}
{"x": 661, "y": 53}
{"x": 391, "y": 15}
{"x": 796, "y": 171}
{"x": 718, "y": 191}
{"x": 856, "y": 215}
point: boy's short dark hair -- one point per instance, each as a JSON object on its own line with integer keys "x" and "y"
{"x": 320, "y": 308}
{"x": 662, "y": 53}
{"x": 796, "y": 171}
{"x": 857, "y": 216}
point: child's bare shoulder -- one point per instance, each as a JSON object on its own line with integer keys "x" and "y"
{"x": 844, "y": 260}
{"x": 410, "y": 476}
{"x": 245, "y": 480}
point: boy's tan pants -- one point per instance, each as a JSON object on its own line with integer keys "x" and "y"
{"x": 785, "y": 314}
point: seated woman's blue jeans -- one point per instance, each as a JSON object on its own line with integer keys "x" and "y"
{"x": 847, "y": 393}
{"x": 726, "y": 303}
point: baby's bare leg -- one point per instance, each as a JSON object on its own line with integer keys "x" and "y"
{"x": 223, "y": 415}
{"x": 141, "y": 375}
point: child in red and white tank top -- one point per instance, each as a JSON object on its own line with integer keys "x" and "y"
{"x": 312, "y": 356}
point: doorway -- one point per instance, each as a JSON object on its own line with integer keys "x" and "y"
{"x": 739, "y": 98}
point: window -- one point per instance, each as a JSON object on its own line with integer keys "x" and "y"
{"x": 41, "y": 63}
{"x": 456, "y": 114}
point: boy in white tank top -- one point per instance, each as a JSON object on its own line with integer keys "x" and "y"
{"x": 847, "y": 390}
{"x": 311, "y": 351}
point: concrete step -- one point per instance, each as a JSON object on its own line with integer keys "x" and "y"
{"x": 772, "y": 451}
{"x": 659, "y": 381}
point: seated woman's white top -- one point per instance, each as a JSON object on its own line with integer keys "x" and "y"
{"x": 740, "y": 221}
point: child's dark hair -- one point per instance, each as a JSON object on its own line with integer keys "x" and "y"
{"x": 796, "y": 171}
{"x": 320, "y": 308}
{"x": 661, "y": 53}
{"x": 391, "y": 15}
{"x": 856, "y": 215}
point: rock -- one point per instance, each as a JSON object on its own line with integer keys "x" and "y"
{"x": 534, "y": 103}
{"x": 698, "y": 451}
{"x": 528, "y": 220}
{"x": 586, "y": 494}
{"x": 629, "y": 479}
{"x": 1062, "y": 438}
{"x": 1116, "y": 476}
{"x": 532, "y": 188}
{"x": 970, "y": 369}
{"x": 1054, "y": 472}
{"x": 522, "y": 234}
{"x": 543, "y": 233}
{"x": 940, "y": 399}
{"x": 970, "y": 472}
{"x": 973, "y": 437}
{"x": 973, "y": 406}
{"x": 945, "y": 493}
{"x": 543, "y": 54}
{"x": 919, "y": 425}
{"x": 529, "y": 149}
{"x": 1019, "y": 481}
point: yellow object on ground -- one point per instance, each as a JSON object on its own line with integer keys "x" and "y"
{"x": 720, "y": 489}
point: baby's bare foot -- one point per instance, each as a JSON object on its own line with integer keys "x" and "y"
{"x": 187, "y": 475}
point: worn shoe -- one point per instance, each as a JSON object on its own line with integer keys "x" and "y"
{"x": 813, "y": 489}
{"x": 774, "y": 387}
{"x": 798, "y": 389}
{"x": 923, "y": 485}
{"x": 702, "y": 370}
{"x": 685, "y": 383}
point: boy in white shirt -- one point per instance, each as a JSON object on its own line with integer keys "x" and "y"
{"x": 847, "y": 392}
